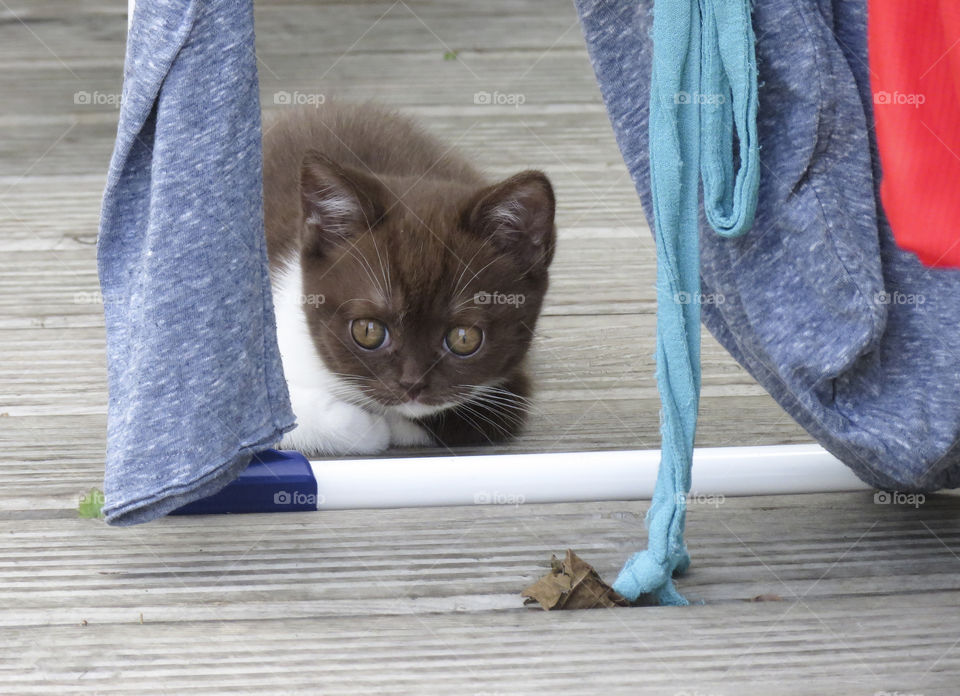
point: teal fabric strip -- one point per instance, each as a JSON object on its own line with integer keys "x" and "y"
{"x": 704, "y": 84}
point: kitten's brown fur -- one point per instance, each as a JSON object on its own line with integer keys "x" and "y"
{"x": 388, "y": 223}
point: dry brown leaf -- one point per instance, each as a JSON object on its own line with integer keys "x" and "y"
{"x": 572, "y": 584}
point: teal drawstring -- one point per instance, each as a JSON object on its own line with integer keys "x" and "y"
{"x": 704, "y": 84}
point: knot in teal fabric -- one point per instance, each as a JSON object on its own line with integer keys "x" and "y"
{"x": 703, "y": 105}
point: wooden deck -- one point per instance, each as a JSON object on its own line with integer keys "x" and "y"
{"x": 419, "y": 601}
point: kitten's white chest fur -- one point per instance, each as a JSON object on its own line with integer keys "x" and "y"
{"x": 327, "y": 423}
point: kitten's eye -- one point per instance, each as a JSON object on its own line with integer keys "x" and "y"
{"x": 369, "y": 333}
{"x": 463, "y": 340}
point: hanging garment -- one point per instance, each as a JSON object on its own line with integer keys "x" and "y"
{"x": 195, "y": 379}
{"x": 914, "y": 51}
{"x": 854, "y": 337}
{"x": 701, "y": 48}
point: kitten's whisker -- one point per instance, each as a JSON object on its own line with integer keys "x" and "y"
{"x": 365, "y": 264}
{"x": 354, "y": 389}
{"x": 386, "y": 251}
{"x": 347, "y": 389}
{"x": 371, "y": 274}
{"x": 362, "y": 384}
{"x": 358, "y": 399}
{"x": 508, "y": 418}
{"x": 470, "y": 300}
{"x": 485, "y": 267}
{"x": 511, "y": 406}
{"x": 456, "y": 286}
{"x": 512, "y": 410}
{"x": 477, "y": 389}
{"x": 496, "y": 399}
{"x": 355, "y": 299}
{"x": 507, "y": 398}
{"x": 484, "y": 418}
{"x": 463, "y": 414}
{"x": 376, "y": 248}
{"x": 351, "y": 376}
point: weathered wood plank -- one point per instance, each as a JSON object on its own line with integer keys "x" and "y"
{"x": 420, "y": 80}
{"x": 594, "y": 273}
{"x": 80, "y": 31}
{"x": 385, "y": 594}
{"x": 635, "y": 651}
{"x": 795, "y": 546}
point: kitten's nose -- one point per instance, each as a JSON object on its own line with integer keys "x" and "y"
{"x": 412, "y": 389}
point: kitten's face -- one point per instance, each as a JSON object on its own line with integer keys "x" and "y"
{"x": 425, "y": 298}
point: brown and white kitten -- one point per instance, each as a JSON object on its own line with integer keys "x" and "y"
{"x": 406, "y": 285}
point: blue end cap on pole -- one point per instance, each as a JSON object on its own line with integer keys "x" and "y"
{"x": 275, "y": 481}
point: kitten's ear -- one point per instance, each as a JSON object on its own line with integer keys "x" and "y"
{"x": 517, "y": 214}
{"x": 338, "y": 202}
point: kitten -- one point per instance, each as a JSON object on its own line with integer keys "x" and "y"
{"x": 406, "y": 285}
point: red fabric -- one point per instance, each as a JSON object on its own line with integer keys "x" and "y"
{"x": 914, "y": 49}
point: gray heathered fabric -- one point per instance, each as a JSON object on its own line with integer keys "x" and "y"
{"x": 856, "y": 339}
{"x": 196, "y": 384}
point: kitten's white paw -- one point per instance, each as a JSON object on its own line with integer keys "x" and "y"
{"x": 405, "y": 433}
{"x": 359, "y": 431}
{"x": 333, "y": 427}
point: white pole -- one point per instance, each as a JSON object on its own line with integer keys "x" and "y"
{"x": 573, "y": 476}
